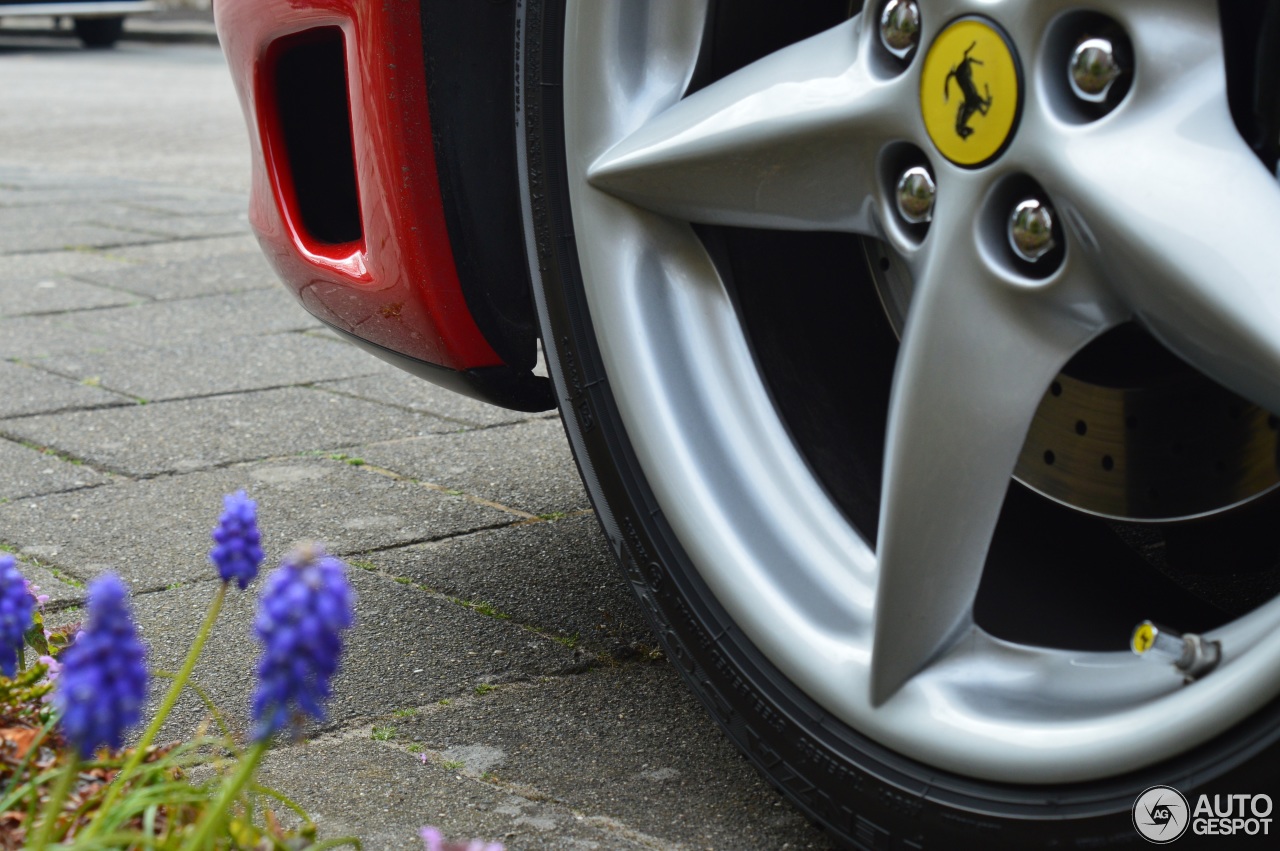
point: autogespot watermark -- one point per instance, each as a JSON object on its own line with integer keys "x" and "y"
{"x": 1162, "y": 814}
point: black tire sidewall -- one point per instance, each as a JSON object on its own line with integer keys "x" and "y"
{"x": 98, "y": 33}
{"x": 865, "y": 795}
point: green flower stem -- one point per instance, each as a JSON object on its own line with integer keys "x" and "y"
{"x": 175, "y": 691}
{"x": 211, "y": 820}
{"x": 54, "y": 805}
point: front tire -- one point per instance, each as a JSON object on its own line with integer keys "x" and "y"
{"x": 99, "y": 33}
{"x": 867, "y": 795}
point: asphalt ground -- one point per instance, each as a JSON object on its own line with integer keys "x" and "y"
{"x": 500, "y": 681}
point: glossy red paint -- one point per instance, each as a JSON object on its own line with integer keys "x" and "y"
{"x": 397, "y": 286}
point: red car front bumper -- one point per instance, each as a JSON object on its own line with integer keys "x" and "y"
{"x": 345, "y": 198}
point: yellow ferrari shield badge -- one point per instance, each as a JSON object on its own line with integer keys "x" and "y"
{"x": 970, "y": 92}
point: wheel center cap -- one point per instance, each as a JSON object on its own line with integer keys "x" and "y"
{"x": 971, "y": 92}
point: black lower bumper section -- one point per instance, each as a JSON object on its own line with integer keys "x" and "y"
{"x": 497, "y": 385}
{"x": 469, "y": 54}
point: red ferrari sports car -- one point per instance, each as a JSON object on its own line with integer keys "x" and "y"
{"x": 924, "y": 410}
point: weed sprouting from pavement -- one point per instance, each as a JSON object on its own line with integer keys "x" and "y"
{"x": 62, "y": 576}
{"x": 481, "y": 608}
{"x": 54, "y": 453}
{"x": 350, "y": 459}
{"x": 570, "y": 641}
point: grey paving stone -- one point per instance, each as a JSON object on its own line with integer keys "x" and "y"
{"x": 27, "y": 472}
{"x": 18, "y": 178}
{"x": 388, "y": 795}
{"x": 407, "y": 649}
{"x": 75, "y": 189}
{"x": 156, "y": 532}
{"x": 265, "y": 311}
{"x": 67, "y": 237}
{"x": 42, "y": 185}
{"x": 193, "y": 434}
{"x": 526, "y": 466}
{"x": 187, "y": 227}
{"x": 559, "y": 577}
{"x": 392, "y": 386}
{"x": 112, "y": 215}
{"x": 28, "y": 390}
{"x": 54, "y": 264}
{"x": 628, "y": 743}
{"x": 108, "y": 214}
{"x": 163, "y": 114}
{"x": 56, "y": 295}
{"x": 201, "y": 204}
{"x": 31, "y": 337}
{"x": 188, "y": 249}
{"x": 220, "y": 366}
{"x": 230, "y": 272}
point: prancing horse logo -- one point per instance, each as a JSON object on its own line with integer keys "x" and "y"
{"x": 973, "y": 102}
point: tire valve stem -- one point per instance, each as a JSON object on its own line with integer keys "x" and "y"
{"x": 1191, "y": 654}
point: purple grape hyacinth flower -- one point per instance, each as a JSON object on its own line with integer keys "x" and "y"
{"x": 303, "y": 610}
{"x": 237, "y": 550}
{"x": 103, "y": 682}
{"x": 16, "y": 609}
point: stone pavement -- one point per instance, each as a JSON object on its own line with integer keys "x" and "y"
{"x": 500, "y": 681}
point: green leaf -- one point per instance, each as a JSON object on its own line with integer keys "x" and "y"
{"x": 35, "y": 636}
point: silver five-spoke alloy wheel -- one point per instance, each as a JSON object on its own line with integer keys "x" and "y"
{"x": 1162, "y": 211}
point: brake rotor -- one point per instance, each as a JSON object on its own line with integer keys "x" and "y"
{"x": 1128, "y": 431}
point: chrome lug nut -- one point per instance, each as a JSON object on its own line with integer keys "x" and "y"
{"x": 1031, "y": 230}
{"x": 1093, "y": 69}
{"x": 900, "y": 27}
{"x": 916, "y": 194}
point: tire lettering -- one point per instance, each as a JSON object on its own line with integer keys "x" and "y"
{"x": 870, "y": 835}
{"x": 844, "y": 776}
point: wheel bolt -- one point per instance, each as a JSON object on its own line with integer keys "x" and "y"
{"x": 1094, "y": 69}
{"x": 900, "y": 27}
{"x": 916, "y": 194}
{"x": 1031, "y": 230}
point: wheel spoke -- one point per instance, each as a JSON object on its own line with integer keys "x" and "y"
{"x": 1181, "y": 209}
{"x": 978, "y": 353}
{"x": 788, "y": 142}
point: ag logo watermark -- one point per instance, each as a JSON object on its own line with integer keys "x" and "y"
{"x": 1162, "y": 814}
